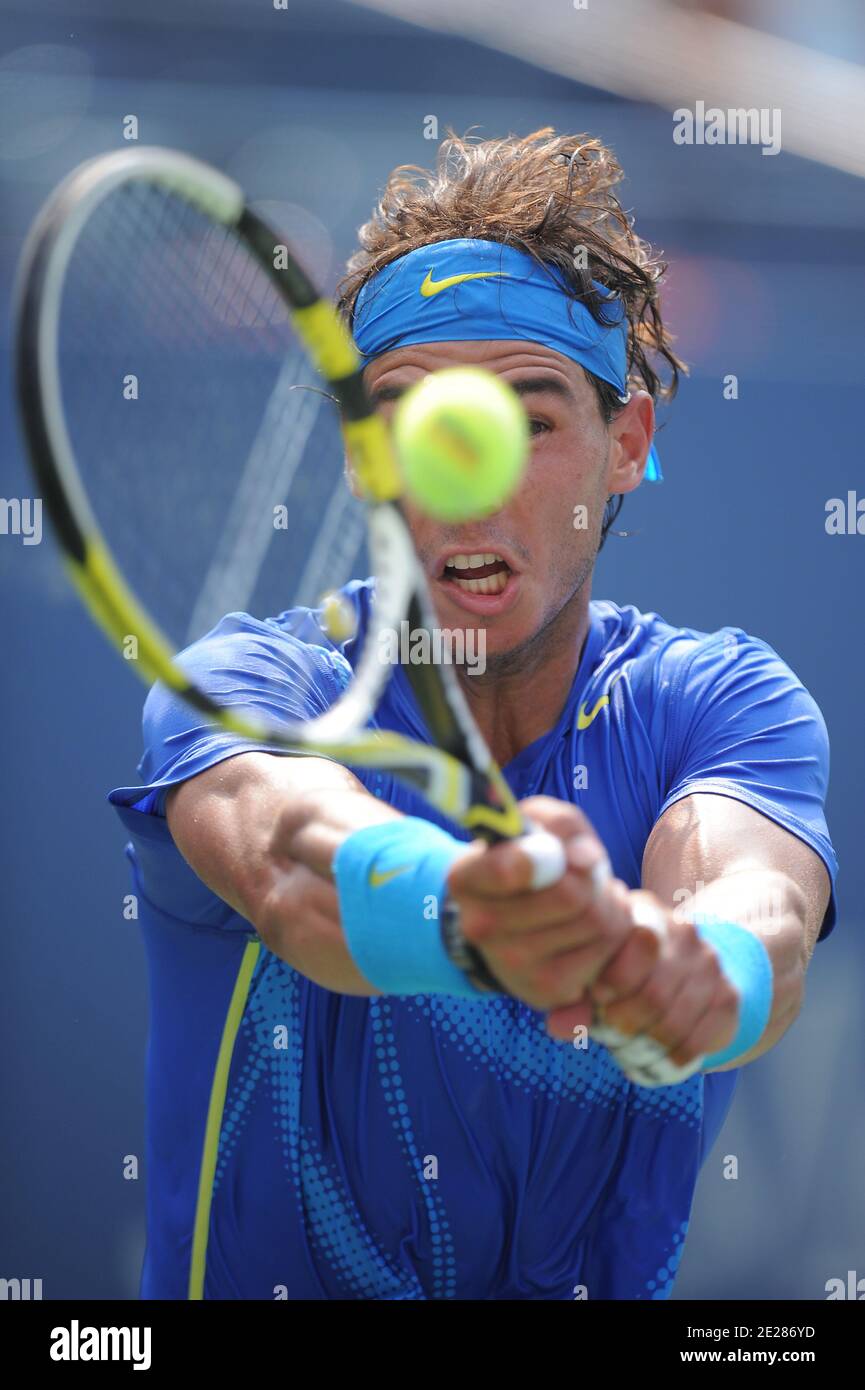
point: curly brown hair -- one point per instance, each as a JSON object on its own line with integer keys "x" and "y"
{"x": 549, "y": 195}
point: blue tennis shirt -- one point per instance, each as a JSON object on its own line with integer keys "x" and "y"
{"x": 429, "y": 1147}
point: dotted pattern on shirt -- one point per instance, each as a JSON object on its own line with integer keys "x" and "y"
{"x": 330, "y": 1215}
{"x": 662, "y": 1285}
{"x": 441, "y": 1240}
{"x": 508, "y": 1038}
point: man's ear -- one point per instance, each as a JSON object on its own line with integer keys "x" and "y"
{"x": 631, "y": 433}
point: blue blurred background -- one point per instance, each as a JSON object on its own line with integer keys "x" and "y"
{"x": 310, "y": 107}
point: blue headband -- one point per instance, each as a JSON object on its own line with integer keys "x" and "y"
{"x": 469, "y": 290}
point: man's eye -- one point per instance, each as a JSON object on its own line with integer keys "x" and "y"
{"x": 537, "y": 427}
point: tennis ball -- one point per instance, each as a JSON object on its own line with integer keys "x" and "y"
{"x": 462, "y": 438}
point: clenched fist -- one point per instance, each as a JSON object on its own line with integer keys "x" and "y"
{"x": 588, "y": 951}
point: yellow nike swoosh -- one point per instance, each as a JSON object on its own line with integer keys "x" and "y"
{"x": 378, "y": 880}
{"x": 584, "y": 719}
{"x": 584, "y": 716}
{"x": 431, "y": 286}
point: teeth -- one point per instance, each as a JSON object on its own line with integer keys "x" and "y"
{"x": 493, "y": 584}
{"x": 473, "y": 562}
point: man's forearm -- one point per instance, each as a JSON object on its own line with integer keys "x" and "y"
{"x": 298, "y": 917}
{"x": 261, "y": 831}
{"x": 315, "y": 820}
{"x": 774, "y": 908}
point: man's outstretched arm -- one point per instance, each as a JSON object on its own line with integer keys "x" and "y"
{"x": 263, "y": 831}
{"x": 743, "y": 867}
{"x": 710, "y": 858}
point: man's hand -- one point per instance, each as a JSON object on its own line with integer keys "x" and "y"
{"x": 545, "y": 947}
{"x": 675, "y": 995}
{"x": 589, "y": 950}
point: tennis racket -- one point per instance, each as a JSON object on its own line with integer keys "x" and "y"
{"x": 147, "y": 264}
{"x": 165, "y": 339}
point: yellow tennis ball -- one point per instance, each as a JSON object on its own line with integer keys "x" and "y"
{"x": 462, "y": 438}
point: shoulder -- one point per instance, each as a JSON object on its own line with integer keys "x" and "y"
{"x": 665, "y": 663}
{"x": 282, "y": 669}
{"x": 689, "y": 698}
{"x": 243, "y": 656}
{"x": 248, "y": 639}
{"x": 647, "y": 639}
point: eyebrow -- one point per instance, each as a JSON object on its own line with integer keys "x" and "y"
{"x": 524, "y": 386}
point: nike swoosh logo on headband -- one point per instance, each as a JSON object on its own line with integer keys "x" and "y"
{"x": 431, "y": 286}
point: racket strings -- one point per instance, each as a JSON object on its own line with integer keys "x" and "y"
{"x": 215, "y": 477}
{"x": 179, "y": 372}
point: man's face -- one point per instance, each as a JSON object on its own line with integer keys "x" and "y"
{"x": 542, "y": 553}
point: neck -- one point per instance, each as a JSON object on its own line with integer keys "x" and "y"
{"x": 522, "y": 692}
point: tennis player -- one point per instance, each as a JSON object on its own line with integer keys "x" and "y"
{"x": 341, "y": 1110}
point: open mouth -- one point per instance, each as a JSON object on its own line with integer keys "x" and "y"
{"x": 481, "y": 573}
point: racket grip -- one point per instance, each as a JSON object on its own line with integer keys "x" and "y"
{"x": 643, "y": 1060}
{"x": 547, "y": 854}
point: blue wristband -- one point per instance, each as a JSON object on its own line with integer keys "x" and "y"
{"x": 745, "y": 961}
{"x": 391, "y": 882}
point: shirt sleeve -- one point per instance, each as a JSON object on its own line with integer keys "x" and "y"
{"x": 745, "y": 727}
{"x": 244, "y": 665}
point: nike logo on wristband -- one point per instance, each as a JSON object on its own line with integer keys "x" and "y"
{"x": 378, "y": 880}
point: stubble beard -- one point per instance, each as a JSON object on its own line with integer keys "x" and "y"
{"x": 556, "y": 627}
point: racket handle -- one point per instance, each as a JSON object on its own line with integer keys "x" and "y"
{"x": 643, "y": 1060}
{"x": 547, "y": 854}
{"x": 549, "y": 860}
